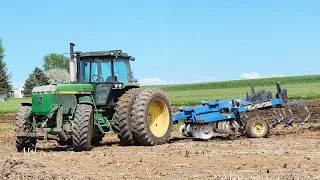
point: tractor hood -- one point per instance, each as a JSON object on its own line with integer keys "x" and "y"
{"x": 75, "y": 87}
{"x": 64, "y": 89}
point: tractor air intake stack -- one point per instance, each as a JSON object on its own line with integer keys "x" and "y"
{"x": 72, "y": 65}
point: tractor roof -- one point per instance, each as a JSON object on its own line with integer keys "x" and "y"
{"x": 114, "y": 53}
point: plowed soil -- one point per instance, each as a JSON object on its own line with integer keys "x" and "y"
{"x": 286, "y": 154}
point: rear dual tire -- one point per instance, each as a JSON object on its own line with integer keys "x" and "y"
{"x": 123, "y": 116}
{"x": 152, "y": 117}
{"x": 143, "y": 117}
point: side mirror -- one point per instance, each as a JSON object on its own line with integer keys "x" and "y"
{"x": 132, "y": 58}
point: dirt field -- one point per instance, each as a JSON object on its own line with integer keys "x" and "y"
{"x": 286, "y": 154}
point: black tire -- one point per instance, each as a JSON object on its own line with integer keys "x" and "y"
{"x": 257, "y": 128}
{"x": 143, "y": 132}
{"x": 82, "y": 128}
{"x": 122, "y": 116}
{"x": 25, "y": 125}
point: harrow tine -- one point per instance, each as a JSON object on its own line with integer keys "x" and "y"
{"x": 284, "y": 113}
{"x": 306, "y": 119}
{"x": 276, "y": 122}
{"x": 289, "y": 123}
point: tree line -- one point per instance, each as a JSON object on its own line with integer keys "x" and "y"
{"x": 5, "y": 85}
{"x": 55, "y": 71}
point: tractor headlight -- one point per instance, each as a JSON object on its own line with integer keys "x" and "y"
{"x": 118, "y": 86}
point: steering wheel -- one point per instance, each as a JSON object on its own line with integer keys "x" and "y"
{"x": 95, "y": 77}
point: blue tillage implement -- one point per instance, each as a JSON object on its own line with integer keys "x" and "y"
{"x": 230, "y": 116}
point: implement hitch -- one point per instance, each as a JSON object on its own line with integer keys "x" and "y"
{"x": 40, "y": 134}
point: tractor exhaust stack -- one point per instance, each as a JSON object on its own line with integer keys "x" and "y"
{"x": 73, "y": 74}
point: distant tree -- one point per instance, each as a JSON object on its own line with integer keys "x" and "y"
{"x": 41, "y": 77}
{"x": 5, "y": 85}
{"x": 29, "y": 84}
{"x": 36, "y": 78}
{"x": 58, "y": 76}
{"x": 55, "y": 60}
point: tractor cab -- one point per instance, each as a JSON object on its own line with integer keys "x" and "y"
{"x": 105, "y": 67}
{"x": 109, "y": 72}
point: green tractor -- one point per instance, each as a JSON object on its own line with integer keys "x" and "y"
{"x": 102, "y": 96}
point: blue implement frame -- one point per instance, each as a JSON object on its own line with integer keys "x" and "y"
{"x": 212, "y": 111}
{"x": 221, "y": 110}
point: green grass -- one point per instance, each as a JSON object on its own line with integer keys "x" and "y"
{"x": 12, "y": 105}
{"x": 299, "y": 87}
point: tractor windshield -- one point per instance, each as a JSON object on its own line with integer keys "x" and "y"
{"x": 121, "y": 70}
{"x": 98, "y": 70}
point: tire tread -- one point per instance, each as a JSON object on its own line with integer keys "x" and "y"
{"x": 140, "y": 124}
{"x": 123, "y": 116}
{"x": 81, "y": 126}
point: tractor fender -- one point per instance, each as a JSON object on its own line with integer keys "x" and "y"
{"x": 85, "y": 100}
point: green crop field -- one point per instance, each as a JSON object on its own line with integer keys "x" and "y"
{"x": 299, "y": 87}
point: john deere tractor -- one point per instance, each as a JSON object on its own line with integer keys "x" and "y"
{"x": 102, "y": 96}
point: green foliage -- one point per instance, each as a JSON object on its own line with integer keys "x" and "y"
{"x": 5, "y": 85}
{"x": 41, "y": 77}
{"x": 36, "y": 78}
{"x": 242, "y": 83}
{"x": 55, "y": 60}
{"x": 29, "y": 84}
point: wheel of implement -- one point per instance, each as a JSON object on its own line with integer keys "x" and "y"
{"x": 152, "y": 117}
{"x": 82, "y": 128}
{"x": 122, "y": 116}
{"x": 257, "y": 128}
{"x": 25, "y": 125}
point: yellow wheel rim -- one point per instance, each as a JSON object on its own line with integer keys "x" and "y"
{"x": 258, "y": 128}
{"x": 159, "y": 118}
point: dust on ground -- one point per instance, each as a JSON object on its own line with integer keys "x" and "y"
{"x": 285, "y": 154}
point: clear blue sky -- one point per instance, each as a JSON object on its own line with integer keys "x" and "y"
{"x": 204, "y": 40}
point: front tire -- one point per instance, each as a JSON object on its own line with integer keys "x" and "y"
{"x": 83, "y": 128}
{"x": 152, "y": 117}
{"x": 24, "y": 124}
